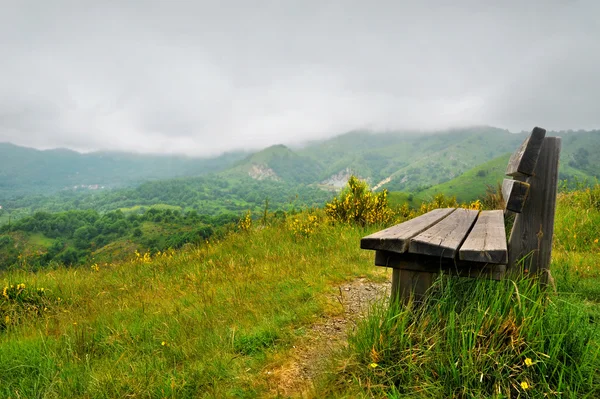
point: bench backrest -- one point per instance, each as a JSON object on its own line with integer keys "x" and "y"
{"x": 531, "y": 193}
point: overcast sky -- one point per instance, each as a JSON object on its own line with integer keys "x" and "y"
{"x": 202, "y": 77}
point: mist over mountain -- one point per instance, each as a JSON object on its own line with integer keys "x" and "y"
{"x": 397, "y": 161}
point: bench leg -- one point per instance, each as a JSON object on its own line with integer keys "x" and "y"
{"x": 407, "y": 283}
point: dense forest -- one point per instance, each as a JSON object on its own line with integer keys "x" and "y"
{"x": 76, "y": 237}
{"x": 208, "y": 195}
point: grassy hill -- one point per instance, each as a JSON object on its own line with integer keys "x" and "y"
{"x": 580, "y": 156}
{"x": 471, "y": 184}
{"x": 26, "y": 171}
{"x": 277, "y": 163}
{"x": 219, "y": 320}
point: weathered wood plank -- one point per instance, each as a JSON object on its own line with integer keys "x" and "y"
{"x": 423, "y": 263}
{"x": 515, "y": 194}
{"x": 444, "y": 238}
{"x": 523, "y": 161}
{"x": 530, "y": 241}
{"x": 397, "y": 238}
{"x": 487, "y": 240}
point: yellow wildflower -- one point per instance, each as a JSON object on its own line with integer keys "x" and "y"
{"x": 524, "y": 385}
{"x": 4, "y": 292}
{"x": 528, "y": 362}
{"x": 164, "y": 343}
{"x": 596, "y": 241}
{"x": 7, "y": 319}
{"x": 373, "y": 365}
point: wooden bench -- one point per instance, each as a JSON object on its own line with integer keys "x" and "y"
{"x": 471, "y": 243}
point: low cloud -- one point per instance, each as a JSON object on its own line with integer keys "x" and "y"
{"x": 206, "y": 77}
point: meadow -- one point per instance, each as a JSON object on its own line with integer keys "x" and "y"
{"x": 212, "y": 320}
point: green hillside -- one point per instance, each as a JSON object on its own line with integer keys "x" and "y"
{"x": 471, "y": 184}
{"x": 76, "y": 237}
{"x": 207, "y": 195}
{"x": 277, "y": 163}
{"x": 580, "y": 156}
{"x": 411, "y": 162}
{"x": 254, "y": 315}
{"x": 26, "y": 171}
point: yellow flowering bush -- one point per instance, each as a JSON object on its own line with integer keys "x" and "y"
{"x": 439, "y": 201}
{"x": 474, "y": 205}
{"x": 357, "y": 204}
{"x": 18, "y": 301}
{"x": 146, "y": 257}
{"x": 245, "y": 223}
{"x": 303, "y": 224}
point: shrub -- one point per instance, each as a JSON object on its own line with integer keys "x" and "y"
{"x": 493, "y": 197}
{"x": 19, "y": 301}
{"x": 439, "y": 201}
{"x": 357, "y": 204}
{"x": 245, "y": 223}
{"x": 303, "y": 224}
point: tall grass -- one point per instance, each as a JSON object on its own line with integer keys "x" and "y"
{"x": 477, "y": 338}
{"x": 195, "y": 323}
{"x": 474, "y": 339}
{"x": 209, "y": 321}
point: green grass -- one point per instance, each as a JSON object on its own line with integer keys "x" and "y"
{"x": 40, "y": 240}
{"x": 471, "y": 184}
{"x": 211, "y": 321}
{"x": 475, "y": 338}
{"x": 202, "y": 322}
{"x": 399, "y": 198}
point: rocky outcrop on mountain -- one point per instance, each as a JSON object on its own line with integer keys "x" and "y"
{"x": 262, "y": 172}
{"x": 339, "y": 179}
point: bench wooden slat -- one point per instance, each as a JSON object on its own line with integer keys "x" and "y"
{"x": 396, "y": 238}
{"x": 515, "y": 194}
{"x": 444, "y": 238}
{"x": 523, "y": 161}
{"x": 428, "y": 264}
{"x": 487, "y": 241}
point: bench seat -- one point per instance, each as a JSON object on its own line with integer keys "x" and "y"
{"x": 447, "y": 238}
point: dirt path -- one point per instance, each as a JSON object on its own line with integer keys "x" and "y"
{"x": 294, "y": 378}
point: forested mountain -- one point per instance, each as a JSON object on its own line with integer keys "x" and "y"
{"x": 278, "y": 163}
{"x": 397, "y": 161}
{"x": 416, "y": 161}
{"x": 25, "y": 171}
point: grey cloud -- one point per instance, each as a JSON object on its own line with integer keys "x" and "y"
{"x": 204, "y": 77}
